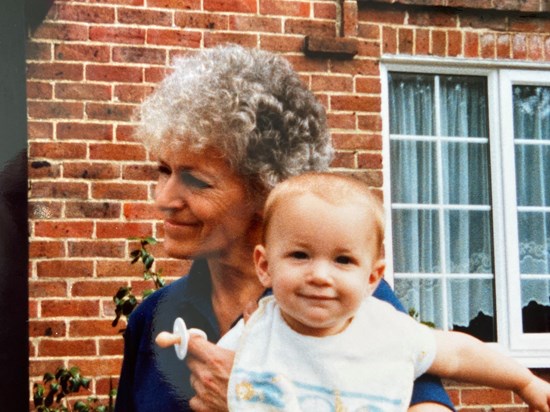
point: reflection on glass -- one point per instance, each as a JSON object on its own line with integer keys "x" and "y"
{"x": 466, "y": 173}
{"x": 422, "y": 298}
{"x": 468, "y": 235}
{"x": 533, "y": 175}
{"x": 535, "y": 302}
{"x": 471, "y": 307}
{"x": 411, "y": 104}
{"x": 414, "y": 165}
{"x": 463, "y": 105}
{"x": 416, "y": 241}
{"x": 531, "y": 112}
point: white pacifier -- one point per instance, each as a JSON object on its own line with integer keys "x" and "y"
{"x": 179, "y": 337}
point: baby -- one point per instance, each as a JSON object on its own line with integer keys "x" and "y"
{"x": 322, "y": 342}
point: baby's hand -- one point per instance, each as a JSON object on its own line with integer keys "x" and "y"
{"x": 537, "y": 395}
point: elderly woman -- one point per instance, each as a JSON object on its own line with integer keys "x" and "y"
{"x": 226, "y": 126}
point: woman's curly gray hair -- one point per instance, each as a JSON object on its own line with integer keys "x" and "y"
{"x": 249, "y": 104}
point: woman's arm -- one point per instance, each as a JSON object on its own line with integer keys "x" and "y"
{"x": 428, "y": 392}
{"x": 462, "y": 357}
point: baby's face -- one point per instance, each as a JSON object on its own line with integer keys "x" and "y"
{"x": 320, "y": 257}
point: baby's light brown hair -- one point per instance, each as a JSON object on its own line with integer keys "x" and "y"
{"x": 335, "y": 188}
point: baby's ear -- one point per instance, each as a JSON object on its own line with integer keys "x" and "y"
{"x": 261, "y": 264}
{"x": 376, "y": 274}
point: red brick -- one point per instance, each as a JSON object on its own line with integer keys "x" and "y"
{"x": 58, "y": 150}
{"x": 535, "y": 51}
{"x": 123, "y": 2}
{"x": 55, "y": 110}
{"x": 422, "y": 42}
{"x": 355, "y": 103}
{"x": 175, "y": 4}
{"x": 85, "y": 328}
{"x": 144, "y": 211}
{"x": 369, "y": 49}
{"x": 44, "y": 210}
{"x": 43, "y": 169}
{"x": 388, "y": 16}
{"x": 432, "y": 18}
{"x": 84, "y": 131}
{"x": 369, "y": 161}
{"x": 47, "y": 248}
{"x": 111, "y": 346}
{"x": 139, "y": 55}
{"x": 70, "y": 308}
{"x": 87, "y": 170}
{"x": 124, "y": 133}
{"x": 68, "y": 347}
{"x": 59, "y": 190}
{"x": 81, "y": 52}
{"x": 38, "y": 51}
{"x": 117, "y": 151}
{"x": 57, "y": 268}
{"x": 439, "y": 43}
{"x": 242, "y": 6}
{"x": 38, "y": 367}
{"x": 112, "y": 73}
{"x": 97, "y": 288}
{"x": 144, "y": 16}
{"x": 175, "y": 268}
{"x": 93, "y": 248}
{"x": 344, "y": 160}
{"x": 174, "y": 37}
{"x": 85, "y": 13}
{"x": 302, "y": 64}
{"x": 354, "y": 141}
{"x": 331, "y": 83}
{"x": 255, "y": 23}
{"x": 519, "y": 46}
{"x": 281, "y": 43}
{"x": 285, "y": 8}
{"x": 126, "y": 35}
{"x": 39, "y": 90}
{"x": 341, "y": 120}
{"x": 131, "y": 93}
{"x": 62, "y": 229}
{"x": 124, "y": 230}
{"x": 405, "y": 41}
{"x": 485, "y": 396}
{"x": 117, "y": 269}
{"x": 122, "y": 191}
{"x": 454, "y": 43}
{"x": 201, "y": 21}
{"x": 61, "y": 31}
{"x": 389, "y": 40}
{"x": 350, "y": 17}
{"x": 47, "y": 289}
{"x": 371, "y": 122}
{"x": 547, "y": 49}
{"x": 145, "y": 172}
{"x": 103, "y": 366}
{"x": 93, "y": 210}
{"x": 107, "y": 111}
{"x": 369, "y": 31}
{"x": 155, "y": 74}
{"x": 503, "y": 46}
{"x": 471, "y": 45}
{"x": 488, "y": 46}
{"x": 310, "y": 27}
{"x": 82, "y": 91}
{"x": 39, "y": 130}
{"x": 54, "y": 71}
{"x": 53, "y": 328}
{"x": 367, "y": 85}
{"x": 324, "y": 11}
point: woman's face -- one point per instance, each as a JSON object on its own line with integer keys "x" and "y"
{"x": 206, "y": 206}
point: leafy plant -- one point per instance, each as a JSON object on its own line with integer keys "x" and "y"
{"x": 50, "y": 395}
{"x": 414, "y": 314}
{"x": 124, "y": 299}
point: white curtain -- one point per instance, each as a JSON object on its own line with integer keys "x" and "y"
{"x": 532, "y": 125}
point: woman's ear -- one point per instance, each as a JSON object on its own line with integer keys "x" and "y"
{"x": 261, "y": 264}
{"x": 376, "y": 274}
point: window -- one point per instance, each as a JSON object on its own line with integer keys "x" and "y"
{"x": 467, "y": 188}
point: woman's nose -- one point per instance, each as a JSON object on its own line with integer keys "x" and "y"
{"x": 168, "y": 194}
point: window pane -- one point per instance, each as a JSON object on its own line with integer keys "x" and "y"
{"x": 531, "y": 112}
{"x": 411, "y": 104}
{"x": 416, "y": 241}
{"x": 468, "y": 234}
{"x": 472, "y": 307}
{"x": 534, "y": 242}
{"x": 414, "y": 164}
{"x": 464, "y": 106}
{"x": 466, "y": 173}
{"x": 533, "y": 175}
{"x": 536, "y": 310}
{"x": 422, "y": 298}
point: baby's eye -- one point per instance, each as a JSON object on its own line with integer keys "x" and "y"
{"x": 298, "y": 255}
{"x": 189, "y": 180}
{"x": 344, "y": 260}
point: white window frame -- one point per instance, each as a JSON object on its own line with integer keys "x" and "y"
{"x": 533, "y": 350}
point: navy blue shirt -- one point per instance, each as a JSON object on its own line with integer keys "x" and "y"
{"x": 154, "y": 379}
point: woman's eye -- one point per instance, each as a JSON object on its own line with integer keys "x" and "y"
{"x": 344, "y": 260}
{"x": 163, "y": 170}
{"x": 189, "y": 180}
{"x": 299, "y": 255}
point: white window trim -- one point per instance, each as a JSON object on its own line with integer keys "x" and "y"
{"x": 532, "y": 350}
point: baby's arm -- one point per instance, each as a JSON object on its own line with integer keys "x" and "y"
{"x": 465, "y": 358}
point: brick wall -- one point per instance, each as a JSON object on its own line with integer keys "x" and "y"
{"x": 91, "y": 62}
